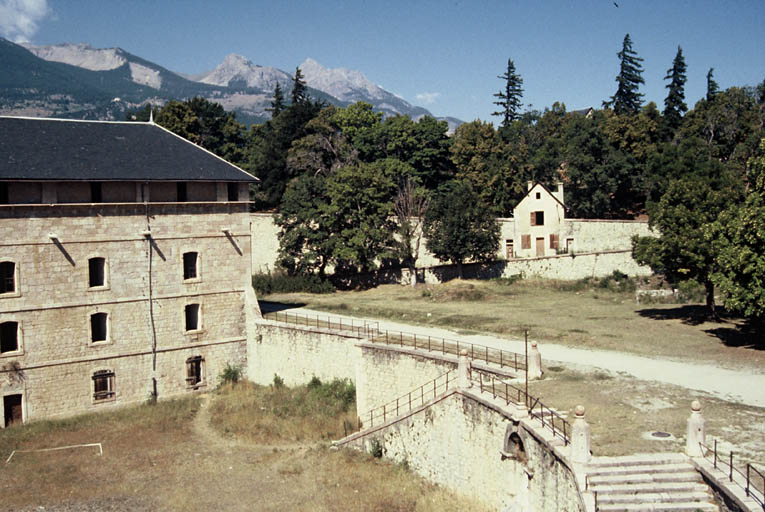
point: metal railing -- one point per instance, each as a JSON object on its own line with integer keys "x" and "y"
{"x": 372, "y": 331}
{"x": 749, "y": 476}
{"x": 406, "y": 403}
{"x": 549, "y": 418}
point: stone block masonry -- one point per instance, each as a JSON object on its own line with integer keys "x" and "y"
{"x": 148, "y": 340}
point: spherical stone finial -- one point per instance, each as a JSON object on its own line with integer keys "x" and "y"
{"x": 463, "y": 352}
{"x": 695, "y": 406}
{"x": 579, "y": 411}
{"x": 533, "y": 343}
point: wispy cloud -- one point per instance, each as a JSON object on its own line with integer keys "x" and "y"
{"x": 428, "y": 98}
{"x": 19, "y": 18}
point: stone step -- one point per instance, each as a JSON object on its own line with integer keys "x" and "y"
{"x": 644, "y": 459}
{"x": 652, "y": 487}
{"x": 645, "y": 477}
{"x": 692, "y": 506}
{"x": 644, "y": 468}
{"x": 651, "y": 497}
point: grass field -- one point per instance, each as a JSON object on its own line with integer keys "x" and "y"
{"x": 578, "y": 314}
{"x": 168, "y": 457}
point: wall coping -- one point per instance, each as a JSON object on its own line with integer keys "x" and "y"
{"x": 731, "y": 490}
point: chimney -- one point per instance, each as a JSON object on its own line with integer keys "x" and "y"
{"x": 559, "y": 192}
{"x": 530, "y": 185}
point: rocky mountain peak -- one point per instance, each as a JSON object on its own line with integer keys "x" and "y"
{"x": 345, "y": 84}
{"x": 238, "y": 70}
{"x": 81, "y": 55}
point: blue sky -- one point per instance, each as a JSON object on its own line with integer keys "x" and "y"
{"x": 443, "y": 55}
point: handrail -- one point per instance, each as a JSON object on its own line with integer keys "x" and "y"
{"x": 752, "y": 491}
{"x": 372, "y": 331}
{"x": 407, "y": 402}
{"x": 549, "y": 418}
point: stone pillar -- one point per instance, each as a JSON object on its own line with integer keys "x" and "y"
{"x": 580, "y": 437}
{"x": 535, "y": 361}
{"x": 463, "y": 370}
{"x": 696, "y": 432}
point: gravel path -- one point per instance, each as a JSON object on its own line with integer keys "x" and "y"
{"x": 745, "y": 386}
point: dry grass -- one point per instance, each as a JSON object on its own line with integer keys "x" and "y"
{"x": 571, "y": 313}
{"x": 621, "y": 411}
{"x": 277, "y": 414}
{"x": 155, "y": 459}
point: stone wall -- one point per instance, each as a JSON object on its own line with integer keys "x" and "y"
{"x": 458, "y": 442}
{"x": 265, "y": 244}
{"x": 53, "y": 300}
{"x": 603, "y": 235}
{"x": 297, "y": 353}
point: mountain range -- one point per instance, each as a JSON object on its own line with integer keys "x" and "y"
{"x": 79, "y": 81}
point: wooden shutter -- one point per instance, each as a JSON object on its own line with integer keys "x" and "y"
{"x": 554, "y": 243}
{"x": 525, "y": 241}
{"x": 533, "y": 219}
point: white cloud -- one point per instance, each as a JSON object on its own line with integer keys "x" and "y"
{"x": 428, "y": 98}
{"x": 19, "y": 18}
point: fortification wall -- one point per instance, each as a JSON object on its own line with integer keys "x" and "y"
{"x": 458, "y": 442}
{"x": 577, "y": 266}
{"x": 298, "y": 353}
{"x": 386, "y": 373}
{"x": 265, "y": 243}
{"x": 592, "y": 235}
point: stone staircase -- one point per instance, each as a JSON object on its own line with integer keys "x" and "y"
{"x": 650, "y": 482}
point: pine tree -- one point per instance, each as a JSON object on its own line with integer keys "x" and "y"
{"x": 299, "y": 94}
{"x": 277, "y": 104}
{"x": 712, "y": 87}
{"x": 627, "y": 99}
{"x": 674, "y": 103}
{"x": 509, "y": 99}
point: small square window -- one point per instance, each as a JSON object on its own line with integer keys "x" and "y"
{"x": 190, "y": 270}
{"x": 7, "y": 277}
{"x": 96, "y": 272}
{"x": 182, "y": 195}
{"x": 539, "y": 195}
{"x": 96, "y": 195}
{"x": 192, "y": 317}
{"x": 98, "y": 327}
{"x": 9, "y": 337}
{"x": 103, "y": 385}
{"x": 194, "y": 371}
{"x": 233, "y": 191}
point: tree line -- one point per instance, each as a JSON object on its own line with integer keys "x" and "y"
{"x": 338, "y": 177}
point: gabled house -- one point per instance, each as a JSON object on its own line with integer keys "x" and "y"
{"x": 538, "y": 223}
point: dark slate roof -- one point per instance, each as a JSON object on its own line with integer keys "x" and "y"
{"x": 66, "y": 150}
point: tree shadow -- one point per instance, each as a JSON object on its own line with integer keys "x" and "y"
{"x": 690, "y": 314}
{"x": 267, "y": 306}
{"x": 748, "y": 335}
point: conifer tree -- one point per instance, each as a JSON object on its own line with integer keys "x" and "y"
{"x": 712, "y": 87}
{"x": 509, "y": 100}
{"x": 299, "y": 94}
{"x": 674, "y": 103}
{"x": 627, "y": 99}
{"x": 277, "y": 104}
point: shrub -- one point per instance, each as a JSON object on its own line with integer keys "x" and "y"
{"x": 507, "y": 281}
{"x": 266, "y": 284}
{"x": 278, "y": 381}
{"x": 690, "y": 291}
{"x": 231, "y": 374}
{"x": 617, "y": 281}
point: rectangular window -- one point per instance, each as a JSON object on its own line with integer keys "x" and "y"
{"x": 525, "y": 241}
{"x": 95, "y": 192}
{"x": 537, "y": 218}
{"x": 194, "y": 371}
{"x": 103, "y": 385}
{"x": 98, "y": 327}
{"x": 233, "y": 191}
{"x": 9, "y": 337}
{"x": 7, "y": 277}
{"x": 182, "y": 195}
{"x": 190, "y": 265}
{"x": 96, "y": 271}
{"x": 510, "y": 253}
{"x": 569, "y": 244}
{"x": 4, "y": 199}
{"x": 192, "y": 317}
{"x": 554, "y": 243}
{"x": 14, "y": 414}
{"x": 539, "y": 195}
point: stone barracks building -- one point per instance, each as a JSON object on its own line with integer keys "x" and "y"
{"x": 125, "y": 260}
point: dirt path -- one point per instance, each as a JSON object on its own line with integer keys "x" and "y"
{"x": 745, "y": 385}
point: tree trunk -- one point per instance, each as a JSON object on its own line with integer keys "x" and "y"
{"x": 710, "y": 289}
{"x": 412, "y": 276}
{"x": 459, "y": 270}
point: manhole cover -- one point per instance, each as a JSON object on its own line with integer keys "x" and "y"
{"x": 661, "y": 434}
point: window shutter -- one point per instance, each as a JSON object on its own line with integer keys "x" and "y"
{"x": 525, "y": 241}
{"x": 533, "y": 218}
{"x": 553, "y": 241}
